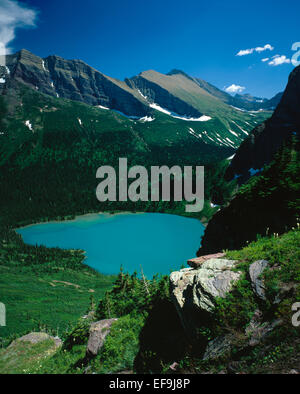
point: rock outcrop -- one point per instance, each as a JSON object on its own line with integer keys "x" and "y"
{"x": 98, "y": 332}
{"x": 251, "y": 211}
{"x": 218, "y": 347}
{"x": 266, "y": 139}
{"x": 74, "y": 80}
{"x": 37, "y": 337}
{"x": 255, "y": 271}
{"x": 194, "y": 291}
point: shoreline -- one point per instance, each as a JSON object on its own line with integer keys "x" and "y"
{"x": 76, "y": 217}
{"x": 90, "y": 215}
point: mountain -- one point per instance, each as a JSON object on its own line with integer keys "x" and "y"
{"x": 61, "y": 119}
{"x": 242, "y": 102}
{"x": 260, "y": 146}
{"x": 268, "y": 202}
{"x": 199, "y": 111}
{"x": 248, "y": 102}
{"x": 74, "y": 80}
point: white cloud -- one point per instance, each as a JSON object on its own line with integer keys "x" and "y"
{"x": 249, "y": 51}
{"x": 262, "y": 49}
{"x": 244, "y": 52}
{"x": 13, "y": 15}
{"x": 234, "y": 89}
{"x": 265, "y": 59}
{"x": 278, "y": 60}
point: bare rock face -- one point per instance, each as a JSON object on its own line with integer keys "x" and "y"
{"x": 98, "y": 332}
{"x": 75, "y": 80}
{"x": 255, "y": 271}
{"x": 218, "y": 347}
{"x": 194, "y": 291}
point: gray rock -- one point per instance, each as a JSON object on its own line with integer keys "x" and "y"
{"x": 195, "y": 290}
{"x": 198, "y": 261}
{"x": 37, "y": 337}
{"x": 255, "y": 270}
{"x": 75, "y": 80}
{"x": 286, "y": 290}
{"x": 98, "y": 332}
{"x": 257, "y": 330}
{"x": 220, "y": 346}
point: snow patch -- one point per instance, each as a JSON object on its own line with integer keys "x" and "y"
{"x": 146, "y": 119}
{"x": 43, "y": 65}
{"x": 7, "y": 70}
{"x": 229, "y": 140}
{"x": 239, "y": 109}
{"x": 145, "y": 97}
{"x": 255, "y": 112}
{"x": 244, "y": 131}
{"x": 202, "y": 118}
{"x": 29, "y": 125}
{"x": 192, "y": 132}
{"x": 232, "y": 132}
{"x": 79, "y": 121}
{"x": 101, "y": 106}
{"x": 159, "y": 108}
{"x": 231, "y": 157}
{"x": 2, "y": 80}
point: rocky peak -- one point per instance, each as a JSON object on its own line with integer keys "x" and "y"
{"x": 75, "y": 80}
{"x": 259, "y": 147}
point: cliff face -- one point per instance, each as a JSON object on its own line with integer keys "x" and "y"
{"x": 75, "y": 80}
{"x": 265, "y": 140}
{"x": 269, "y": 201}
{"x": 148, "y": 83}
{"x": 199, "y": 296}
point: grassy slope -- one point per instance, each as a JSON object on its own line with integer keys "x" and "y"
{"x": 22, "y": 357}
{"x": 224, "y": 117}
{"x": 32, "y": 288}
{"x": 279, "y": 354}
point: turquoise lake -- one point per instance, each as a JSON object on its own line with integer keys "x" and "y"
{"x": 157, "y": 242}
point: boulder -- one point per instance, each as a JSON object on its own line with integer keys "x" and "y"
{"x": 197, "y": 261}
{"x": 98, "y": 332}
{"x": 193, "y": 291}
{"x": 37, "y": 337}
{"x": 255, "y": 271}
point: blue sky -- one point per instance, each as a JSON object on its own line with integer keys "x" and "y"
{"x": 124, "y": 37}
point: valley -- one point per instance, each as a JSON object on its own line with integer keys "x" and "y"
{"x": 60, "y": 120}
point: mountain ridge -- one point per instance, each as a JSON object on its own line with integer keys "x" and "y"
{"x": 179, "y": 96}
{"x": 267, "y": 166}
